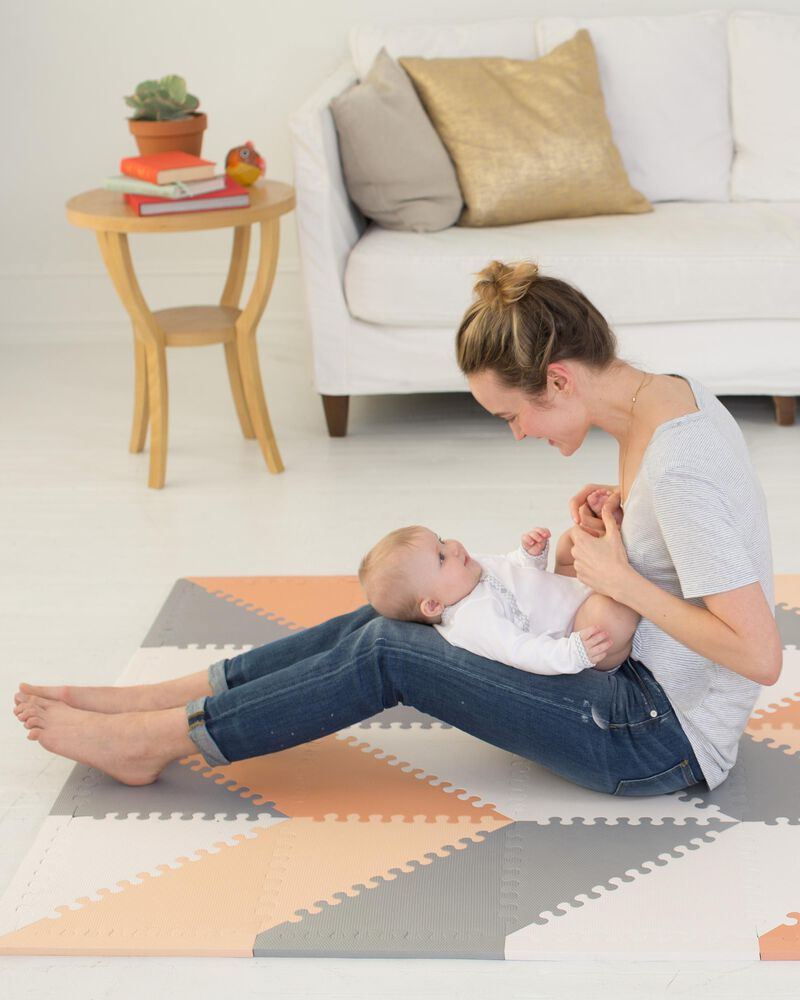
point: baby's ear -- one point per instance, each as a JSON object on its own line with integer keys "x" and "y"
{"x": 431, "y": 608}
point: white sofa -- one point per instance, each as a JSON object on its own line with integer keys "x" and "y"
{"x": 708, "y": 283}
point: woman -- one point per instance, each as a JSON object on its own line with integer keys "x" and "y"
{"x": 692, "y": 557}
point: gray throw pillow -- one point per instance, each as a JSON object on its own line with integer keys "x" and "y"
{"x": 396, "y": 167}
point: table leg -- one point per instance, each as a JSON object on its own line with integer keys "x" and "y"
{"x": 117, "y": 256}
{"x": 246, "y": 327}
{"x": 140, "y": 406}
{"x": 230, "y": 297}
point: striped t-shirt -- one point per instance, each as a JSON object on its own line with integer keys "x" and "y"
{"x": 695, "y": 524}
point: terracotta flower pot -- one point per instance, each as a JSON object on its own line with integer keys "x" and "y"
{"x": 185, "y": 134}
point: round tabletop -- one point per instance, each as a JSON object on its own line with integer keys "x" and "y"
{"x": 108, "y": 211}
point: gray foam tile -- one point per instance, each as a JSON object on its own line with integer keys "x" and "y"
{"x": 405, "y": 716}
{"x": 192, "y": 616}
{"x": 179, "y": 790}
{"x": 762, "y": 787}
{"x": 788, "y": 621}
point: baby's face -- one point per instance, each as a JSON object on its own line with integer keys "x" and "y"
{"x": 442, "y": 569}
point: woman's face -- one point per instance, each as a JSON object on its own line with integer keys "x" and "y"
{"x": 556, "y": 417}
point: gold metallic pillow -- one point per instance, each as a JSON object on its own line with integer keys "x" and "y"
{"x": 530, "y": 138}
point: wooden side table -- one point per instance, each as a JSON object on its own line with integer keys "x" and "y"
{"x": 112, "y": 219}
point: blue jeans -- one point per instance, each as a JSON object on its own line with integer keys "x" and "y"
{"x": 613, "y": 732}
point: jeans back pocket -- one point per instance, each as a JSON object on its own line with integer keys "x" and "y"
{"x": 676, "y": 778}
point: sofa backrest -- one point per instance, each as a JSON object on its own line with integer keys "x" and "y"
{"x": 702, "y": 106}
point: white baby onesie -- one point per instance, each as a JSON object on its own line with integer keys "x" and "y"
{"x": 521, "y": 615}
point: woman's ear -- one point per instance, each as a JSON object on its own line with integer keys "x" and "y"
{"x": 559, "y": 377}
{"x": 431, "y": 608}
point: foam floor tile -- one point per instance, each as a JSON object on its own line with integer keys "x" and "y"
{"x": 85, "y": 858}
{"x": 403, "y": 836}
{"x": 152, "y": 664}
{"x": 778, "y": 884}
{"x": 693, "y": 902}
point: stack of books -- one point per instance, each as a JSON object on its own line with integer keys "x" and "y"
{"x": 175, "y": 182}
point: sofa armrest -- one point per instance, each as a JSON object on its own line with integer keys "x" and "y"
{"x": 329, "y": 226}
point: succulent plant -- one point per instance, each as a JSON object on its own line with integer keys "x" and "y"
{"x": 162, "y": 100}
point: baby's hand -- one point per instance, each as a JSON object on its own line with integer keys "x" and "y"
{"x": 535, "y": 541}
{"x": 596, "y": 501}
{"x": 595, "y": 642}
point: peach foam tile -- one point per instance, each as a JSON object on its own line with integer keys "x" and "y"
{"x": 337, "y": 778}
{"x": 694, "y": 907}
{"x": 297, "y": 600}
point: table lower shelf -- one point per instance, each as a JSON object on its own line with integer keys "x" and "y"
{"x": 194, "y": 326}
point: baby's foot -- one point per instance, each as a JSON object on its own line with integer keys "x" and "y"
{"x": 120, "y": 746}
{"x": 596, "y": 501}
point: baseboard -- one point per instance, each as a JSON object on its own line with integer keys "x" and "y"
{"x": 81, "y": 306}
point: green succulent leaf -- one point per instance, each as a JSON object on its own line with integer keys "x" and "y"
{"x": 162, "y": 100}
{"x": 175, "y": 86}
{"x": 145, "y": 88}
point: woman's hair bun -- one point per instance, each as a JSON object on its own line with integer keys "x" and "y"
{"x": 501, "y": 285}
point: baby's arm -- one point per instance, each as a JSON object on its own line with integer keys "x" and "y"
{"x": 480, "y": 627}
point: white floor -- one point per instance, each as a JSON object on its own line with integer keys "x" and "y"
{"x": 89, "y": 555}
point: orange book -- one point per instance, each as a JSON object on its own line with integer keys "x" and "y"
{"x": 166, "y": 168}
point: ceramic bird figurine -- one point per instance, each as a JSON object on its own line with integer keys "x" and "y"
{"x": 244, "y": 164}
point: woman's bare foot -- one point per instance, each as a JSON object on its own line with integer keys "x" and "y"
{"x": 135, "y": 698}
{"x": 133, "y": 748}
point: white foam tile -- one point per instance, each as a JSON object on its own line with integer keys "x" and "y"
{"x": 152, "y": 664}
{"x": 694, "y": 907}
{"x": 76, "y": 856}
{"x": 516, "y": 787}
{"x": 776, "y": 850}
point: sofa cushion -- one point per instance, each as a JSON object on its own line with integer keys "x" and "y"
{"x": 765, "y": 103}
{"x": 396, "y": 169}
{"x": 530, "y": 138}
{"x": 512, "y": 38}
{"x": 665, "y": 81}
{"x": 681, "y": 262}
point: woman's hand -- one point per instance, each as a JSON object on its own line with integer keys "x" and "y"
{"x": 601, "y": 562}
{"x": 583, "y": 515}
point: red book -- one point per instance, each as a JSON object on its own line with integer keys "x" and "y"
{"x": 165, "y": 168}
{"x": 233, "y": 195}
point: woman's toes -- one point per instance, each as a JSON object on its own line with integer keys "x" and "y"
{"x": 58, "y": 693}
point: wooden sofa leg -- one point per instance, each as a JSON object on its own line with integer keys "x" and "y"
{"x": 336, "y": 414}
{"x": 785, "y": 410}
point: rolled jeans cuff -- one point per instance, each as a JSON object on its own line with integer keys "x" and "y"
{"x": 196, "y": 715}
{"x": 217, "y": 680}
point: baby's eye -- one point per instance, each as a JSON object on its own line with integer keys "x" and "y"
{"x": 441, "y": 557}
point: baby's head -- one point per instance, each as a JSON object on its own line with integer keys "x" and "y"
{"x": 413, "y": 575}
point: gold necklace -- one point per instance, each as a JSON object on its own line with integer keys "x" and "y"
{"x": 635, "y": 396}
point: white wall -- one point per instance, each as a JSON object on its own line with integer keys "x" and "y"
{"x": 65, "y": 67}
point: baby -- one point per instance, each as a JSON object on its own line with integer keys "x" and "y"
{"x": 507, "y": 608}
